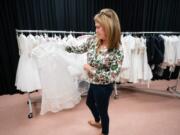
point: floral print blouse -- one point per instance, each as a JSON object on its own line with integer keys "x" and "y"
{"x": 106, "y": 64}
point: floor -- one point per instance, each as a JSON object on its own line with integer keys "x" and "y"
{"x": 133, "y": 113}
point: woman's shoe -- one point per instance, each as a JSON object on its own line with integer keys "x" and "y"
{"x": 94, "y": 124}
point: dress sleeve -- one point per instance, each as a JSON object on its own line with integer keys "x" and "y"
{"x": 80, "y": 48}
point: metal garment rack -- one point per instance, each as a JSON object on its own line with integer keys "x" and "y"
{"x": 170, "y": 91}
{"x": 152, "y": 32}
{"x": 32, "y": 100}
{"x": 53, "y": 32}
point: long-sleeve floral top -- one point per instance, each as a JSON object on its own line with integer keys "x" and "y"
{"x": 105, "y": 64}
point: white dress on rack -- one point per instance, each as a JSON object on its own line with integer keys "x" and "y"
{"x": 78, "y": 59}
{"x": 135, "y": 66}
{"x": 178, "y": 52}
{"x": 76, "y": 68}
{"x": 59, "y": 89}
{"x": 169, "y": 54}
{"x": 175, "y": 44}
{"x": 27, "y": 76}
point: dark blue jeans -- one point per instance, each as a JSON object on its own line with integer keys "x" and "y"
{"x": 98, "y": 102}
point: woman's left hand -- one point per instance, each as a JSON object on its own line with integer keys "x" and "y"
{"x": 87, "y": 67}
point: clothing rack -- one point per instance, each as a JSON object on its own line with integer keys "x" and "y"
{"x": 78, "y": 32}
{"x": 151, "y": 32}
{"x": 53, "y": 31}
{"x": 173, "y": 93}
{"x": 30, "y": 99}
{"x": 170, "y": 91}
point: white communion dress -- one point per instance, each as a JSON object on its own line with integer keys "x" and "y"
{"x": 27, "y": 75}
{"x": 59, "y": 89}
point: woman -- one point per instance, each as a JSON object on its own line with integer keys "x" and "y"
{"x": 104, "y": 60}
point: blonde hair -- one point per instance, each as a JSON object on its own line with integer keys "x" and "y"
{"x": 109, "y": 20}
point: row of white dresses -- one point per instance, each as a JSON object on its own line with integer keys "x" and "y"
{"x": 172, "y": 50}
{"x": 45, "y": 65}
{"x": 135, "y": 66}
